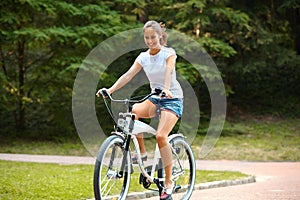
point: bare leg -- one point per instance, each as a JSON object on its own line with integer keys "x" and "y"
{"x": 145, "y": 109}
{"x": 140, "y": 140}
{"x": 167, "y": 122}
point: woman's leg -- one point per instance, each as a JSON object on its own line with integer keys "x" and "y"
{"x": 145, "y": 109}
{"x": 167, "y": 121}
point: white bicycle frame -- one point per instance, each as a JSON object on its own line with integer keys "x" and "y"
{"x": 127, "y": 128}
{"x": 133, "y": 127}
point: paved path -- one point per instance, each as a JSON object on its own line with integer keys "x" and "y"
{"x": 274, "y": 180}
{"x": 68, "y": 160}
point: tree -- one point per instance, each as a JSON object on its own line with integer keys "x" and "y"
{"x": 254, "y": 44}
{"x": 266, "y": 71}
{"x": 42, "y": 43}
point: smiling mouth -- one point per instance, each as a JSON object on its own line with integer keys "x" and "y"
{"x": 151, "y": 44}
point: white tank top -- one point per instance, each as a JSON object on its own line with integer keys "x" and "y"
{"x": 155, "y": 67}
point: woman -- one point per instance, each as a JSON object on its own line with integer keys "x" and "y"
{"x": 158, "y": 62}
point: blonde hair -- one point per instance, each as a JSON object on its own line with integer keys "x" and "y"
{"x": 160, "y": 30}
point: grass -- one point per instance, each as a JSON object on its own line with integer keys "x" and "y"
{"x": 258, "y": 139}
{"x": 42, "y": 147}
{"x": 20, "y": 180}
{"x": 44, "y": 181}
{"x": 250, "y": 138}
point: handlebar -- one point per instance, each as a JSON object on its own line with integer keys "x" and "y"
{"x": 157, "y": 91}
{"x": 104, "y": 92}
{"x": 128, "y": 102}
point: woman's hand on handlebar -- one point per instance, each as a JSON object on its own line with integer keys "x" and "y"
{"x": 166, "y": 93}
{"x": 104, "y": 92}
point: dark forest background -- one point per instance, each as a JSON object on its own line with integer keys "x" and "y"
{"x": 255, "y": 44}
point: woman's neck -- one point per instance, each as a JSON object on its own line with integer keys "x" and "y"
{"x": 154, "y": 51}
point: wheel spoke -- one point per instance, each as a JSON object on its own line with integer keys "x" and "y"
{"x": 107, "y": 183}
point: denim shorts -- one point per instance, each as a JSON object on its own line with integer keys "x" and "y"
{"x": 174, "y": 105}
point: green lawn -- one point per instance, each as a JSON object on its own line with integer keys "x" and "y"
{"x": 257, "y": 139}
{"x": 252, "y": 139}
{"x": 19, "y": 180}
{"x": 44, "y": 181}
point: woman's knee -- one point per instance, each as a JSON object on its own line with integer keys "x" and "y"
{"x": 144, "y": 110}
{"x": 161, "y": 137}
{"x": 135, "y": 110}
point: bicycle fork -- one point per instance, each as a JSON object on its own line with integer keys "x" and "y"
{"x": 126, "y": 148}
{"x": 124, "y": 159}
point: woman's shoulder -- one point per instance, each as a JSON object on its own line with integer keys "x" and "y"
{"x": 142, "y": 56}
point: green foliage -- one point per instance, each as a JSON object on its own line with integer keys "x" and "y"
{"x": 266, "y": 72}
{"x": 255, "y": 45}
{"x": 40, "y": 41}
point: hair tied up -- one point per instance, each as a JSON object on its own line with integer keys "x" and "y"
{"x": 162, "y": 26}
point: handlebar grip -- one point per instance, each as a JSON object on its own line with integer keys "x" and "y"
{"x": 104, "y": 93}
{"x": 157, "y": 91}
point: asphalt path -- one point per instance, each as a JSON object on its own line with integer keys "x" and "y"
{"x": 274, "y": 180}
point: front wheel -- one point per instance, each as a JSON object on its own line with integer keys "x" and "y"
{"x": 112, "y": 170}
{"x": 183, "y": 168}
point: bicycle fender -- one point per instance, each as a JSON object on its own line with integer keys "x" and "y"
{"x": 171, "y": 137}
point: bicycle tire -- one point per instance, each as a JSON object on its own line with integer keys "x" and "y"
{"x": 183, "y": 163}
{"x": 108, "y": 184}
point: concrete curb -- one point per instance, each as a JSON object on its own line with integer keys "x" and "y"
{"x": 202, "y": 186}
{"x": 224, "y": 183}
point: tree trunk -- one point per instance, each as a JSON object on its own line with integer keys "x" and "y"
{"x": 20, "y": 123}
{"x": 142, "y": 16}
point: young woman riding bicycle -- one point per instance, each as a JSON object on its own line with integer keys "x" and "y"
{"x": 158, "y": 63}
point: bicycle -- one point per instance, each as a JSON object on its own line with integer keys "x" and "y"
{"x": 113, "y": 166}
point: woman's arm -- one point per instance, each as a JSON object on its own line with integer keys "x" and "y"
{"x": 170, "y": 67}
{"x": 125, "y": 78}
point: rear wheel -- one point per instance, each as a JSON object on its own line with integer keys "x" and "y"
{"x": 183, "y": 168}
{"x": 112, "y": 172}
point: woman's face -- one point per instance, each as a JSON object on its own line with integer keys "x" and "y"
{"x": 151, "y": 38}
